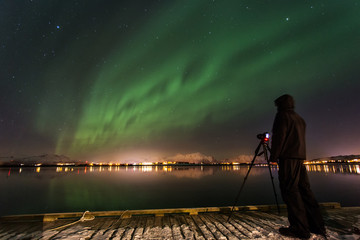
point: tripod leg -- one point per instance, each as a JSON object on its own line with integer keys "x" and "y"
{"x": 266, "y": 148}
{"x": 243, "y": 184}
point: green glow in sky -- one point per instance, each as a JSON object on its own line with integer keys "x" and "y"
{"x": 131, "y": 79}
{"x": 184, "y": 66}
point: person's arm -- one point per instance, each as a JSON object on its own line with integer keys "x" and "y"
{"x": 278, "y": 136}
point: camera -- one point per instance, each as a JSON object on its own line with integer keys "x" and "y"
{"x": 264, "y": 137}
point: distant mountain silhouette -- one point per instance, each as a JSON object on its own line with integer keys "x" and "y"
{"x": 45, "y": 159}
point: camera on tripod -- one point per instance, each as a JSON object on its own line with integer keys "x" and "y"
{"x": 264, "y": 140}
{"x": 264, "y": 137}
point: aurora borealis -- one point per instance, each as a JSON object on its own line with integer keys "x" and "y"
{"x": 156, "y": 78}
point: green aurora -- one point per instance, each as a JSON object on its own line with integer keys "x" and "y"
{"x": 176, "y": 69}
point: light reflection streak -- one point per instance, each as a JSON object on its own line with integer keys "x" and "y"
{"x": 181, "y": 170}
{"x": 146, "y": 169}
{"x": 236, "y": 167}
{"x": 227, "y": 168}
{"x": 338, "y": 168}
{"x": 66, "y": 169}
{"x": 168, "y": 168}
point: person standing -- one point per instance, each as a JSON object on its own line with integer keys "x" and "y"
{"x": 288, "y": 148}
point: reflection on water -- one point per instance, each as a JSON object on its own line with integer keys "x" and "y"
{"x": 100, "y": 188}
{"x": 334, "y": 168}
{"x": 323, "y": 168}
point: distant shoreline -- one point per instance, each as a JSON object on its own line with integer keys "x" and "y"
{"x": 53, "y": 160}
{"x": 161, "y": 164}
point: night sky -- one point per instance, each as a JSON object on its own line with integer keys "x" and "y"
{"x": 125, "y": 80}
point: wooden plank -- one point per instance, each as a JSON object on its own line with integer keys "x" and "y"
{"x": 9, "y": 229}
{"x": 149, "y": 224}
{"x": 130, "y": 229}
{"x": 330, "y": 205}
{"x": 156, "y": 229}
{"x": 347, "y": 216}
{"x": 204, "y": 229}
{"x": 196, "y": 231}
{"x": 23, "y": 229}
{"x": 56, "y": 224}
{"x": 166, "y": 228}
{"x": 138, "y": 234}
{"x": 212, "y": 227}
{"x": 84, "y": 230}
{"x": 256, "y": 229}
{"x": 105, "y": 231}
{"x": 220, "y": 226}
{"x": 270, "y": 216}
{"x": 159, "y": 212}
{"x": 158, "y": 222}
{"x": 340, "y": 223}
{"x": 120, "y": 228}
{"x": 175, "y": 228}
{"x": 184, "y": 227}
{"x": 335, "y": 224}
{"x": 6, "y": 235}
{"x": 272, "y": 224}
{"x": 34, "y": 231}
{"x": 75, "y": 231}
{"x": 234, "y": 231}
{"x": 3, "y": 234}
{"x": 237, "y": 221}
{"x": 62, "y": 227}
{"x": 265, "y": 227}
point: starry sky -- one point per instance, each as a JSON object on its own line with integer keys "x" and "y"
{"x": 142, "y": 79}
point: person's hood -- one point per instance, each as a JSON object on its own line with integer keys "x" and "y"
{"x": 285, "y": 102}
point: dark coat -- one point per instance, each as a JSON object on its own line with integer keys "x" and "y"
{"x": 288, "y": 133}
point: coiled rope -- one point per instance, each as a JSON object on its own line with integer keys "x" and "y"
{"x": 83, "y": 219}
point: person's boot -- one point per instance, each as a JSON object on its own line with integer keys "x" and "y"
{"x": 291, "y": 232}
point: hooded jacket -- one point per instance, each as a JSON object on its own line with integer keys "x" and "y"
{"x": 288, "y": 133}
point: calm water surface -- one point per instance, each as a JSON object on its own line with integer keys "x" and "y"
{"x": 51, "y": 189}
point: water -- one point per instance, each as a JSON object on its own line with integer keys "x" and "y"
{"x": 68, "y": 189}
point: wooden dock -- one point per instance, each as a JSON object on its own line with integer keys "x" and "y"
{"x": 247, "y": 222}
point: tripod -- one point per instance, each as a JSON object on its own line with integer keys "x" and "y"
{"x": 265, "y": 148}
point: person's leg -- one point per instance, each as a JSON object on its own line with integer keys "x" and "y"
{"x": 314, "y": 217}
{"x": 289, "y": 176}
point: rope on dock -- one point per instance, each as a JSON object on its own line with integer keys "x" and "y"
{"x": 82, "y": 219}
{"x": 117, "y": 220}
